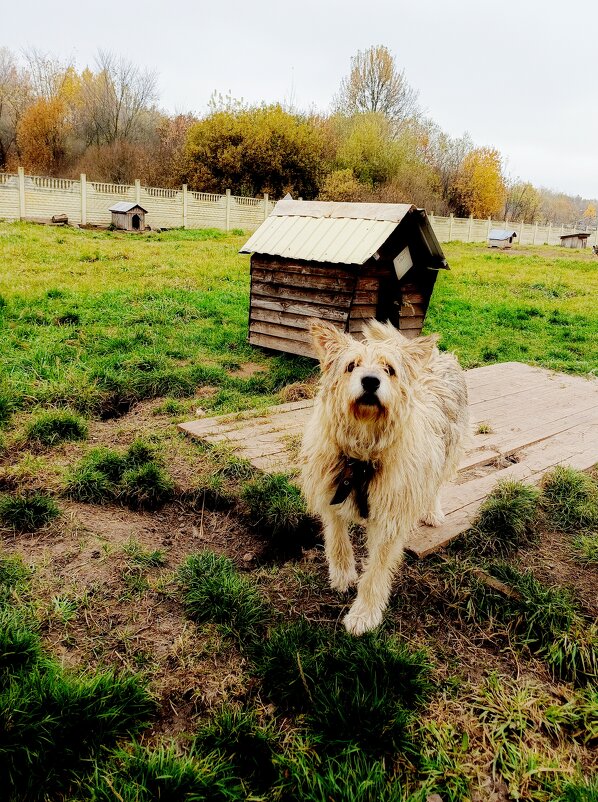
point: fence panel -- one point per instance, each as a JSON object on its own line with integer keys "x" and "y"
{"x": 43, "y": 197}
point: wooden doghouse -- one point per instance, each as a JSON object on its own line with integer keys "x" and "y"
{"x": 128, "y": 216}
{"x": 579, "y": 240}
{"x": 342, "y": 262}
{"x": 501, "y": 238}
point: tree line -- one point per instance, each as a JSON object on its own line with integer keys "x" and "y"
{"x": 373, "y": 144}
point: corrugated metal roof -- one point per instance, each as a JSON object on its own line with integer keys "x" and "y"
{"x": 501, "y": 233}
{"x": 343, "y": 233}
{"x": 124, "y": 206}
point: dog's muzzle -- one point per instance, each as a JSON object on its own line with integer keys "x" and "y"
{"x": 370, "y": 386}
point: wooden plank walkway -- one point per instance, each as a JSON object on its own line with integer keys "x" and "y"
{"x": 536, "y": 418}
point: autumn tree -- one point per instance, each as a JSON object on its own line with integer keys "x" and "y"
{"x": 376, "y": 85}
{"x": 15, "y": 97}
{"x": 255, "y": 150}
{"x": 479, "y": 188}
{"x": 522, "y": 202}
{"x": 42, "y": 136}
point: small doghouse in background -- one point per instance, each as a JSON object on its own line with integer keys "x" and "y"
{"x": 128, "y": 216}
{"x": 501, "y": 238}
{"x": 342, "y": 262}
{"x": 574, "y": 240}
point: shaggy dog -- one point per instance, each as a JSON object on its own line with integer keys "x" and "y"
{"x": 388, "y": 428}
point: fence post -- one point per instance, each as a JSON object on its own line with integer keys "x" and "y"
{"x": 489, "y": 227}
{"x": 521, "y": 232}
{"x": 227, "y": 211}
{"x": 451, "y": 227}
{"x": 21, "y": 172}
{"x": 184, "y": 205}
{"x": 83, "y": 184}
{"x": 265, "y": 205}
{"x": 469, "y": 228}
{"x": 137, "y": 191}
{"x": 548, "y": 233}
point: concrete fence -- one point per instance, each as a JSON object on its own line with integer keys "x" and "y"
{"x": 26, "y": 197}
{"x": 31, "y": 197}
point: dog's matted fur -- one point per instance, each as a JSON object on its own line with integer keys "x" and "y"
{"x": 388, "y": 428}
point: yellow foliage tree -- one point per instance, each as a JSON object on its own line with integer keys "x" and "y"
{"x": 41, "y": 136}
{"x": 479, "y": 188}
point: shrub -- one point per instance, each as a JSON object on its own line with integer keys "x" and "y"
{"x": 51, "y": 428}
{"x": 504, "y": 520}
{"x": 27, "y": 512}
{"x": 215, "y": 591}
{"x": 357, "y": 690}
{"x": 570, "y": 499}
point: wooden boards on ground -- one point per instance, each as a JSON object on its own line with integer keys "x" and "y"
{"x": 533, "y": 419}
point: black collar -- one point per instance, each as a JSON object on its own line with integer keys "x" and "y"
{"x": 354, "y": 476}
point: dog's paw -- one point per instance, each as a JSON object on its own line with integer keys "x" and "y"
{"x": 433, "y": 519}
{"x": 360, "y": 619}
{"x": 343, "y": 580}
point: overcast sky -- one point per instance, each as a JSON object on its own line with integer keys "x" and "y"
{"x": 520, "y": 76}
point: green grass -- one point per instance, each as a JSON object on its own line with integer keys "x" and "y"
{"x": 504, "y": 521}
{"x": 585, "y": 548}
{"x": 144, "y": 557}
{"x": 52, "y": 722}
{"x": 51, "y": 428}
{"x": 134, "y": 477}
{"x": 276, "y": 506}
{"x": 535, "y": 305}
{"x": 215, "y": 591}
{"x": 28, "y": 511}
{"x": 545, "y": 620}
{"x": 96, "y": 322}
{"x": 351, "y": 690}
{"x": 570, "y": 499}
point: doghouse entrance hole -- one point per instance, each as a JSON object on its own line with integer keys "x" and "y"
{"x": 136, "y": 223}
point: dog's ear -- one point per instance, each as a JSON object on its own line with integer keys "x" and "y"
{"x": 421, "y": 348}
{"x": 328, "y": 341}
{"x": 383, "y": 332}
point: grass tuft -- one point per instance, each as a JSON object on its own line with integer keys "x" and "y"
{"x": 51, "y": 428}
{"x": 248, "y": 746}
{"x": 27, "y": 512}
{"x": 215, "y": 591}
{"x": 585, "y": 548}
{"x": 144, "y": 775}
{"x": 143, "y": 557}
{"x": 351, "y": 690}
{"x": 134, "y": 477}
{"x": 570, "y": 499}
{"x": 547, "y": 621}
{"x": 504, "y": 521}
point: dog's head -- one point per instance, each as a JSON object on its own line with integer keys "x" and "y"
{"x": 369, "y": 380}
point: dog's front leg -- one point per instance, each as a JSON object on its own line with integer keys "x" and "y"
{"x": 373, "y": 591}
{"x": 339, "y": 553}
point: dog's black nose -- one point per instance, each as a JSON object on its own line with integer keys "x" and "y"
{"x": 370, "y": 383}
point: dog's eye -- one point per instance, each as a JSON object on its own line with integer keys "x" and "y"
{"x": 350, "y": 367}
{"x": 390, "y": 370}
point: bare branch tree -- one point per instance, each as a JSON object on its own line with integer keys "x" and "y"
{"x": 15, "y": 96}
{"x": 375, "y": 84}
{"x": 116, "y": 99}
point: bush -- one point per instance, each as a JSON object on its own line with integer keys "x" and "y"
{"x": 51, "y": 428}
{"x": 570, "y": 499}
{"x": 27, "y": 512}
{"x": 215, "y": 591}
{"x": 352, "y": 690}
